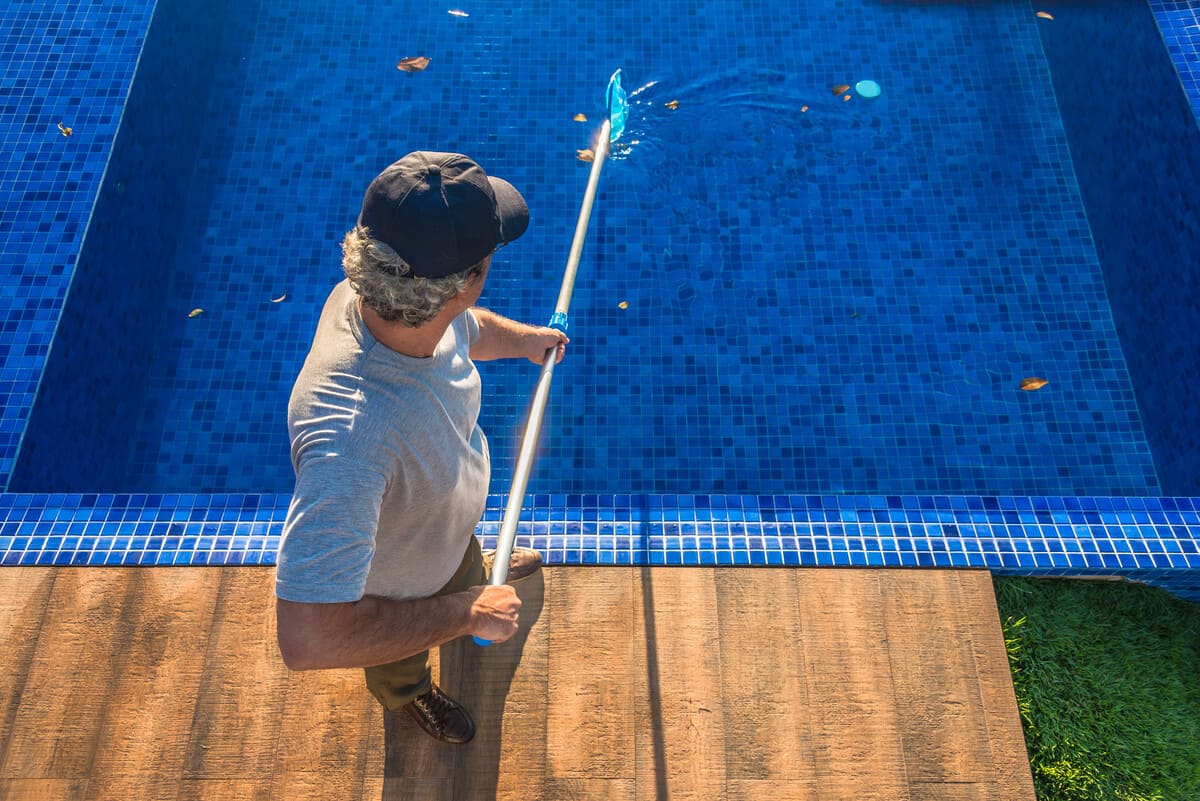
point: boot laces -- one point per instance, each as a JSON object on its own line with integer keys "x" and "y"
{"x": 434, "y": 706}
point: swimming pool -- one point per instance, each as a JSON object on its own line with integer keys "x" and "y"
{"x": 801, "y": 321}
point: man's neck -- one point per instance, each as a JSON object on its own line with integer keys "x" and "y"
{"x": 420, "y": 342}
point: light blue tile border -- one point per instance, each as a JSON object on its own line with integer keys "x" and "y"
{"x": 1155, "y": 540}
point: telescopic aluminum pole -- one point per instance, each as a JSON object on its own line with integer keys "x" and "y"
{"x": 541, "y": 394}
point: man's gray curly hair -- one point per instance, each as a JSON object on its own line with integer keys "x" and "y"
{"x": 386, "y": 283}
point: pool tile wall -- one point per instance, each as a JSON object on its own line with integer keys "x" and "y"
{"x": 48, "y": 183}
{"x": 107, "y": 330}
{"x": 850, "y": 311}
{"x": 1135, "y": 143}
{"x": 66, "y": 63}
{"x": 1179, "y": 21}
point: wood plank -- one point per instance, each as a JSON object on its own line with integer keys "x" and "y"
{"x": 504, "y": 688}
{"x": 775, "y": 789}
{"x": 650, "y": 734}
{"x": 149, "y": 715}
{"x": 683, "y": 645}
{"x": 588, "y": 790}
{"x": 225, "y": 789}
{"x": 593, "y": 660}
{"x": 399, "y": 788}
{"x": 375, "y": 744}
{"x": 951, "y": 791}
{"x": 1009, "y": 758}
{"x": 766, "y": 702}
{"x": 508, "y": 730}
{"x": 408, "y": 752}
{"x": 241, "y": 699}
{"x": 143, "y": 787}
{"x": 525, "y": 703}
{"x": 857, "y": 746}
{"x": 315, "y": 785}
{"x": 24, "y": 598}
{"x": 375, "y": 788}
{"x": 937, "y": 693}
{"x": 42, "y": 789}
{"x": 84, "y": 637}
{"x": 324, "y": 735}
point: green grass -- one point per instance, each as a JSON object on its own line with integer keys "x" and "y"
{"x": 1108, "y": 684}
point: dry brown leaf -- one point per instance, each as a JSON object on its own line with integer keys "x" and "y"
{"x": 841, "y": 88}
{"x": 580, "y": 118}
{"x": 674, "y": 104}
{"x": 64, "y": 130}
{"x": 1032, "y": 384}
{"x": 1044, "y": 15}
{"x": 413, "y": 64}
{"x": 585, "y": 155}
{"x": 847, "y": 97}
{"x": 623, "y": 304}
{"x": 195, "y": 312}
{"x": 279, "y": 299}
{"x": 803, "y": 109}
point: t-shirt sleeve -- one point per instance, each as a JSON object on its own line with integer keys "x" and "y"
{"x": 472, "y": 326}
{"x": 329, "y": 535}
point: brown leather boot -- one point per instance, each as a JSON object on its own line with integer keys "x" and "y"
{"x": 441, "y": 717}
{"x": 523, "y": 564}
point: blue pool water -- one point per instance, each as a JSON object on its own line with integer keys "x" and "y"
{"x": 784, "y": 294}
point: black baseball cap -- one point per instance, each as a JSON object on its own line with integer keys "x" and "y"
{"x": 441, "y": 212}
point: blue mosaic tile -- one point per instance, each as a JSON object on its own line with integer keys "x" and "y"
{"x": 65, "y": 64}
{"x": 1179, "y": 21}
{"x": 878, "y": 355}
{"x": 882, "y": 352}
{"x": 1133, "y": 149}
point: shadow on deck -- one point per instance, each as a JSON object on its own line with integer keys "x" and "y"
{"x": 624, "y": 683}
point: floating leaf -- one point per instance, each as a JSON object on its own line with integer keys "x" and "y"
{"x": 1044, "y": 15}
{"x": 585, "y": 155}
{"x": 580, "y": 118}
{"x": 841, "y": 88}
{"x": 803, "y": 109}
{"x": 623, "y": 304}
{"x": 195, "y": 312}
{"x": 847, "y": 97}
{"x": 456, "y": 12}
{"x": 64, "y": 130}
{"x": 279, "y": 299}
{"x": 1032, "y": 384}
{"x": 674, "y": 104}
{"x": 413, "y": 64}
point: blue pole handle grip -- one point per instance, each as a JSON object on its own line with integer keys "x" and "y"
{"x": 481, "y": 642}
{"x": 558, "y": 321}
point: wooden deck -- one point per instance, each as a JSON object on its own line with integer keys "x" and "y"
{"x": 140, "y": 684}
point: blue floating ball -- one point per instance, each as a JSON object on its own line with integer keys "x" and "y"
{"x": 867, "y": 88}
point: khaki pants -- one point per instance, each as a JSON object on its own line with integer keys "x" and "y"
{"x": 397, "y": 683}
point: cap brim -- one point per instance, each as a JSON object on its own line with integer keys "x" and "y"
{"x": 514, "y": 213}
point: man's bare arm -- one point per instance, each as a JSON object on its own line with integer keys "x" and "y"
{"x": 502, "y": 338}
{"x": 375, "y": 630}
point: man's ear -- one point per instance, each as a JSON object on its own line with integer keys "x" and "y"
{"x": 479, "y": 276}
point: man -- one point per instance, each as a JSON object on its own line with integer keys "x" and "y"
{"x": 378, "y": 561}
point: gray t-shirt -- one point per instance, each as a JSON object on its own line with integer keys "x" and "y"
{"x": 391, "y": 466}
